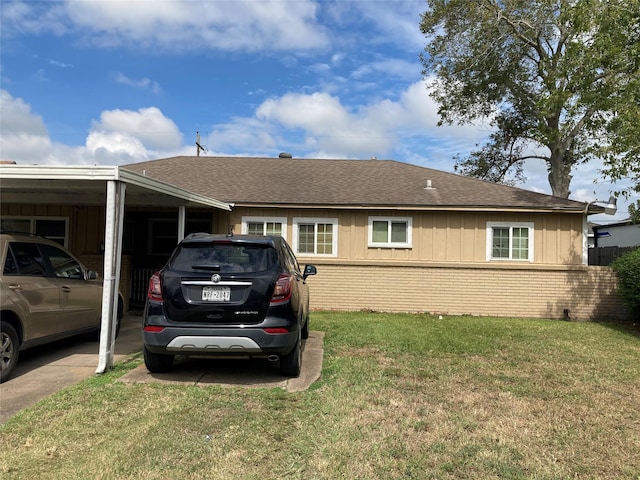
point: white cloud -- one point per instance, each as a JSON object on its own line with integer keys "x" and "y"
{"x": 57, "y": 63}
{"x": 396, "y": 21}
{"x": 120, "y": 136}
{"x": 23, "y": 134}
{"x": 20, "y": 17}
{"x": 386, "y": 68}
{"x": 148, "y": 126}
{"x": 17, "y": 117}
{"x": 317, "y": 124}
{"x": 142, "y": 83}
{"x": 115, "y": 148}
{"x": 321, "y": 125}
{"x": 176, "y": 24}
{"x": 389, "y": 22}
{"x": 327, "y": 124}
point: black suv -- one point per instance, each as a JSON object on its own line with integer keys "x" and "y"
{"x": 228, "y": 295}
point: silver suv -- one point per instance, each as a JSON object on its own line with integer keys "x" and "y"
{"x": 45, "y": 294}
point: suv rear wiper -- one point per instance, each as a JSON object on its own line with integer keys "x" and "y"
{"x": 212, "y": 268}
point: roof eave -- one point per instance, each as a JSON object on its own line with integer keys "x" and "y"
{"x": 159, "y": 186}
{"x": 449, "y": 208}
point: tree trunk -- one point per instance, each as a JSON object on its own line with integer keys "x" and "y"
{"x": 560, "y": 165}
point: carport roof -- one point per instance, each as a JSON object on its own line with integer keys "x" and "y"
{"x": 85, "y": 185}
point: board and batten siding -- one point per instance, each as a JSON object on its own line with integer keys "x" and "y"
{"x": 438, "y": 236}
{"x": 85, "y": 224}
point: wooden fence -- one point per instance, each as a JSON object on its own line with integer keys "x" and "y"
{"x": 603, "y": 256}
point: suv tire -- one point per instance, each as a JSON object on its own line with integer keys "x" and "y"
{"x": 290, "y": 364}
{"x": 95, "y": 336}
{"x": 157, "y": 363}
{"x": 305, "y": 329}
{"x": 9, "y": 350}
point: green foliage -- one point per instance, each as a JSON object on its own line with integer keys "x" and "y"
{"x": 622, "y": 156}
{"x": 634, "y": 212}
{"x": 627, "y": 268}
{"x": 558, "y": 79}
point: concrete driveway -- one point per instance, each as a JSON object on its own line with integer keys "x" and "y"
{"x": 44, "y": 370}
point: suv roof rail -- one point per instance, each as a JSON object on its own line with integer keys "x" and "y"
{"x": 24, "y": 234}
{"x": 17, "y": 232}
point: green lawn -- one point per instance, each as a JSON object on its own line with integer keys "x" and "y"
{"x": 401, "y": 396}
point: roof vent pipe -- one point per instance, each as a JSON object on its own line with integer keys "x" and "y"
{"x": 429, "y": 185}
{"x": 285, "y": 155}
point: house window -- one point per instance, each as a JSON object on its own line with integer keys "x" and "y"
{"x": 510, "y": 241}
{"x": 315, "y": 236}
{"x": 54, "y": 228}
{"x": 390, "y": 232}
{"x": 264, "y": 226}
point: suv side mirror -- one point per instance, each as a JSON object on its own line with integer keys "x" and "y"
{"x": 91, "y": 275}
{"x": 309, "y": 270}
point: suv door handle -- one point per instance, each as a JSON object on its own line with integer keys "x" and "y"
{"x": 65, "y": 289}
{"x": 15, "y": 286}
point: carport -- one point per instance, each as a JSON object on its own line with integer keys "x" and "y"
{"x": 112, "y": 187}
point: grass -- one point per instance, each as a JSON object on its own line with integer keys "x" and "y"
{"x": 401, "y": 396}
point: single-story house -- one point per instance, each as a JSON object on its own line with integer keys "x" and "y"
{"x": 385, "y": 235}
{"x": 392, "y": 236}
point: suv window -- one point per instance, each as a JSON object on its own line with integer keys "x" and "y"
{"x": 24, "y": 259}
{"x": 64, "y": 266}
{"x": 290, "y": 258}
{"x": 223, "y": 258}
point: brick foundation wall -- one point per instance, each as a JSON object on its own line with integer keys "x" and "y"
{"x": 584, "y": 293}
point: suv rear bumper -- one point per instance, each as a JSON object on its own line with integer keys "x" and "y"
{"x": 253, "y": 342}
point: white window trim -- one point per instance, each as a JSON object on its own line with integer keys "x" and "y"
{"x": 510, "y": 225}
{"x": 32, "y": 224}
{"x": 407, "y": 244}
{"x": 282, "y": 220}
{"x": 306, "y": 220}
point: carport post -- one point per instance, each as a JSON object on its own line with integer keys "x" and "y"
{"x": 182, "y": 220}
{"x": 112, "y": 258}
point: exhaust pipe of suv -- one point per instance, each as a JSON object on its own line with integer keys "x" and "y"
{"x": 273, "y": 358}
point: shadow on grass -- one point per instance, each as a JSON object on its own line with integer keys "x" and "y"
{"x": 628, "y": 327}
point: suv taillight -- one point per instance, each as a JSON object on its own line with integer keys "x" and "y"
{"x": 282, "y": 292}
{"x": 155, "y": 288}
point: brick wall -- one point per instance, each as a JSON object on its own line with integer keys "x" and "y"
{"x": 585, "y": 293}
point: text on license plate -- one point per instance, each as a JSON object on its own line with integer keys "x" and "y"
{"x": 216, "y": 294}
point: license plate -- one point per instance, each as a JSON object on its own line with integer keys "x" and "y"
{"x": 216, "y": 294}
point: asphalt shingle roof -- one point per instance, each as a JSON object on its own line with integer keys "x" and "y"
{"x": 323, "y": 182}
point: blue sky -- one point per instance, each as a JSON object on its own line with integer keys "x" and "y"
{"x": 116, "y": 82}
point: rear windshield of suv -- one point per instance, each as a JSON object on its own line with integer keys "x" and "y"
{"x": 224, "y": 258}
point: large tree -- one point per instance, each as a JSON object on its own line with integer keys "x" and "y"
{"x": 558, "y": 79}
